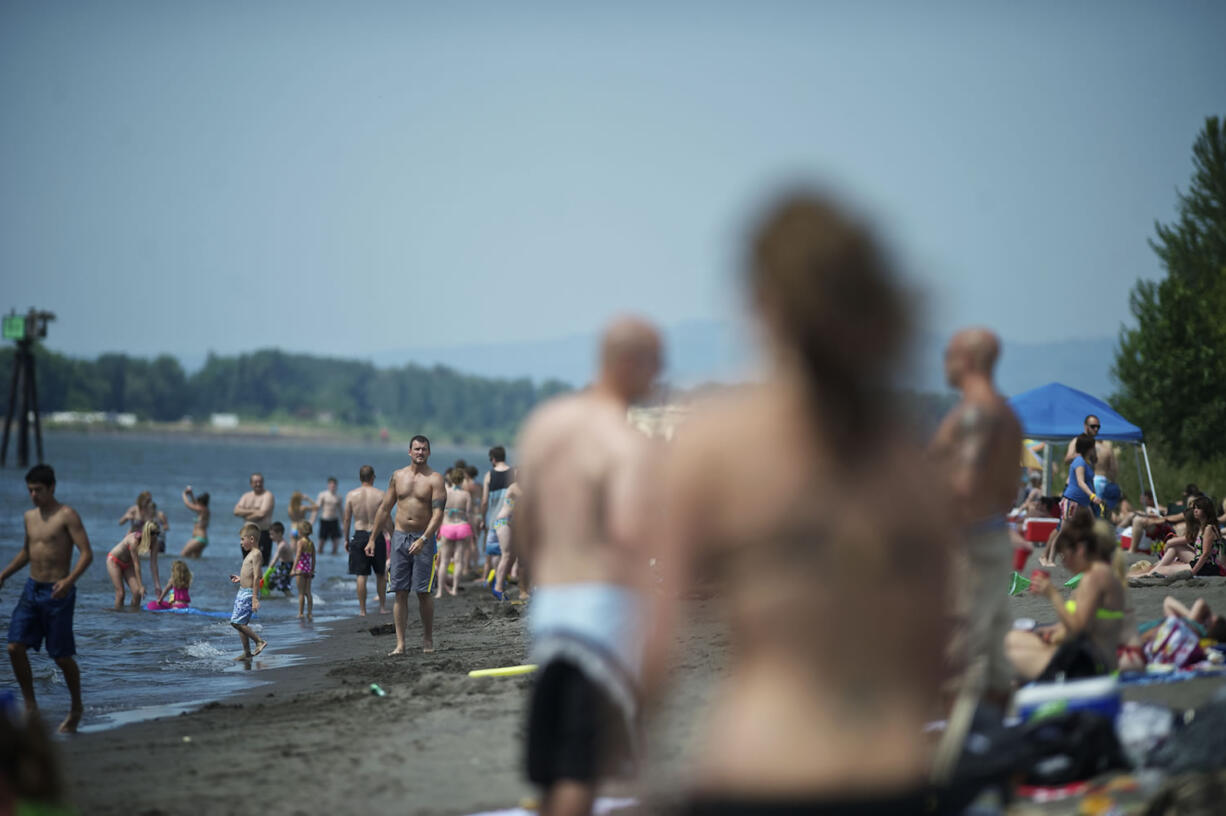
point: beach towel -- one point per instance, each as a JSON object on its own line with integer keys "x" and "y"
{"x": 1176, "y": 676}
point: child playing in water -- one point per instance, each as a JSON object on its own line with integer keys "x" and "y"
{"x": 245, "y": 601}
{"x": 176, "y": 588}
{"x": 304, "y": 568}
{"x": 123, "y": 563}
{"x": 282, "y": 559}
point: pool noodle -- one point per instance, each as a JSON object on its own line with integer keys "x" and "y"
{"x": 187, "y": 610}
{"x": 504, "y": 671}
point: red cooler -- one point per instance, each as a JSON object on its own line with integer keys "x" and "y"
{"x": 1038, "y": 529}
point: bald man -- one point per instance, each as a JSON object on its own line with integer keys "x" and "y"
{"x": 580, "y": 526}
{"x": 978, "y": 446}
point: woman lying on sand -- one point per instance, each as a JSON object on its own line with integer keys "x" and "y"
{"x": 1091, "y": 623}
{"x": 1214, "y": 625}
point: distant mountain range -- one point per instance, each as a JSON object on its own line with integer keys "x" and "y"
{"x": 714, "y": 351}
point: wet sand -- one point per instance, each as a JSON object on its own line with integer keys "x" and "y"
{"x": 316, "y": 740}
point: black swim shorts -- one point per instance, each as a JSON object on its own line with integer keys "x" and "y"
{"x": 329, "y": 528}
{"x": 359, "y": 562}
{"x": 574, "y": 731}
{"x": 908, "y": 803}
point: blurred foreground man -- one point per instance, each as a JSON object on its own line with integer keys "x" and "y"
{"x": 588, "y": 567}
{"x": 978, "y": 445}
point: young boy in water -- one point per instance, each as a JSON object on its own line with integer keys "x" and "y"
{"x": 279, "y": 579}
{"x": 247, "y": 601}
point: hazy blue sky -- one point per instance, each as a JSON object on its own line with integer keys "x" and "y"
{"x": 355, "y": 177}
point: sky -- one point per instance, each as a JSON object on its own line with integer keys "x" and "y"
{"x": 352, "y": 178}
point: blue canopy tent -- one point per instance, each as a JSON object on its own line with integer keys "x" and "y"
{"x": 1055, "y": 412}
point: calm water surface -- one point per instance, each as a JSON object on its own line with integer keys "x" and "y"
{"x": 142, "y": 664}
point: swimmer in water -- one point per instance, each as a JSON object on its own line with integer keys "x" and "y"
{"x": 199, "y": 505}
{"x": 123, "y": 563}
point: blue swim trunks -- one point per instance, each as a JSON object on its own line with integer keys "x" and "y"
{"x": 242, "y": 606}
{"x": 40, "y": 617}
{"x": 492, "y": 545}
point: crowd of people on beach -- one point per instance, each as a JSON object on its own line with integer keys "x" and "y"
{"x": 791, "y": 500}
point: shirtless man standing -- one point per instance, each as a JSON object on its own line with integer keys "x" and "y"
{"x": 327, "y": 510}
{"x": 50, "y": 594}
{"x": 361, "y": 506}
{"x": 581, "y": 526}
{"x": 1106, "y": 469}
{"x": 419, "y": 496}
{"x": 256, "y": 506}
{"x": 978, "y": 446}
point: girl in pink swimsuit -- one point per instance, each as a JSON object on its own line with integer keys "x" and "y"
{"x": 177, "y": 588}
{"x": 304, "y": 568}
{"x": 455, "y": 531}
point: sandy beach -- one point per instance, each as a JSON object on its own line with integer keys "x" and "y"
{"x": 314, "y": 739}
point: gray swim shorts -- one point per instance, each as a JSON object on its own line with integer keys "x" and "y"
{"x": 411, "y": 573}
{"x": 976, "y": 649}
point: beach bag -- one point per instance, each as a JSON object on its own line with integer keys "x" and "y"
{"x": 1070, "y": 747}
{"x": 1175, "y": 643}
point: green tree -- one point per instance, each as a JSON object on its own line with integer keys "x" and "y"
{"x": 1172, "y": 366}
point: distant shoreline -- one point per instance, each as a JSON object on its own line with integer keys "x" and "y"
{"x": 263, "y": 432}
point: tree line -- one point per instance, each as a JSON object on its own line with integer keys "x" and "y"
{"x": 1171, "y": 365}
{"x": 269, "y": 384}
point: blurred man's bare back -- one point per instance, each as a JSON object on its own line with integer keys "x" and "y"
{"x": 584, "y": 463}
{"x": 830, "y": 592}
{"x": 982, "y": 430}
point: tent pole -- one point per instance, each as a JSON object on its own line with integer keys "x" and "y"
{"x": 1136, "y": 448}
{"x": 1150, "y": 473}
{"x": 1047, "y": 468}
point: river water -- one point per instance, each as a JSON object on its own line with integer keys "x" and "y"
{"x": 139, "y": 664}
